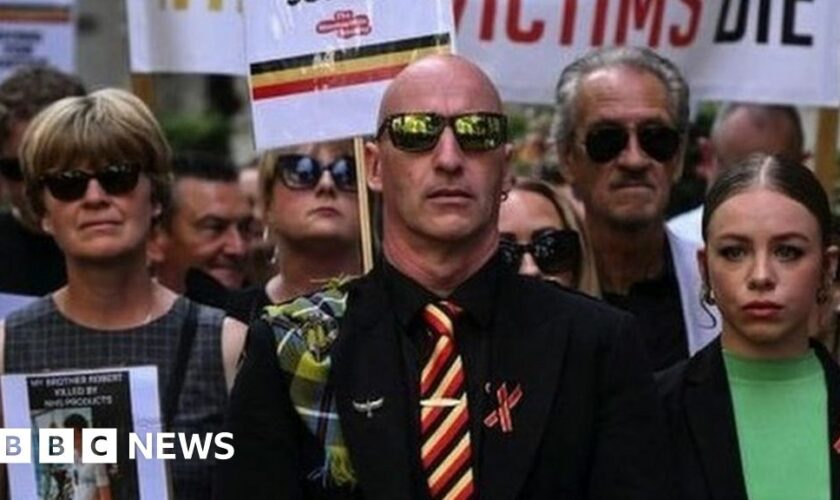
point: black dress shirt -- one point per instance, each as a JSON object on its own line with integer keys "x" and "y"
{"x": 658, "y": 309}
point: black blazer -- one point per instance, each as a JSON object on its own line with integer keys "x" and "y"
{"x": 701, "y": 425}
{"x": 586, "y": 427}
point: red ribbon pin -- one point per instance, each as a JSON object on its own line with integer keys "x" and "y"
{"x": 507, "y": 401}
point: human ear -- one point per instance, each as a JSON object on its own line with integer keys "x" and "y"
{"x": 373, "y": 166}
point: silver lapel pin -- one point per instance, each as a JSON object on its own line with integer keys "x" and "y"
{"x": 367, "y": 407}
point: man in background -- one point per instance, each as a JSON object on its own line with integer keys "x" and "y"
{"x": 206, "y": 227}
{"x": 740, "y": 130}
{"x": 30, "y": 261}
{"x": 621, "y": 128}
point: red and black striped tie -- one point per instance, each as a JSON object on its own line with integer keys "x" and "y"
{"x": 444, "y": 416}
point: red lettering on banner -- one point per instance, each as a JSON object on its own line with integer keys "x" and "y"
{"x": 600, "y": 23}
{"x": 517, "y": 34}
{"x": 458, "y": 6}
{"x": 488, "y": 19}
{"x": 567, "y": 31}
{"x": 641, "y": 10}
{"x": 679, "y": 39}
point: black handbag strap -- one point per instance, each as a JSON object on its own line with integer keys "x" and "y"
{"x": 179, "y": 368}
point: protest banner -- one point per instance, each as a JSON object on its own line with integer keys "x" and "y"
{"x": 37, "y": 32}
{"x": 186, "y": 36}
{"x": 757, "y": 51}
{"x": 317, "y": 69}
{"x": 124, "y": 399}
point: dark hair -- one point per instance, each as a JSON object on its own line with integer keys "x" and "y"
{"x": 30, "y": 89}
{"x": 204, "y": 166}
{"x": 75, "y": 421}
{"x": 779, "y": 174}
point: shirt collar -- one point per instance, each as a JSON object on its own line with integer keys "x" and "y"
{"x": 476, "y": 295}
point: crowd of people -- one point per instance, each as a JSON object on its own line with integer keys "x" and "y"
{"x": 517, "y": 337}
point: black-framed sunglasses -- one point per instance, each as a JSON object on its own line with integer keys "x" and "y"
{"x": 304, "y": 172}
{"x": 71, "y": 185}
{"x": 554, "y": 251}
{"x": 606, "y": 142}
{"x": 10, "y": 169}
{"x": 418, "y": 132}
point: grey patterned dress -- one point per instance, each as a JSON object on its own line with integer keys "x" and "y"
{"x": 40, "y": 338}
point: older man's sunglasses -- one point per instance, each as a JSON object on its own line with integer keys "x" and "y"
{"x": 71, "y": 185}
{"x": 301, "y": 172}
{"x": 419, "y": 132}
{"x": 554, "y": 251}
{"x": 605, "y": 143}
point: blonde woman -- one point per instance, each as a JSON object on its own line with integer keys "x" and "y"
{"x": 541, "y": 235}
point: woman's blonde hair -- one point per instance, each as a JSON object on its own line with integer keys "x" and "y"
{"x": 586, "y": 276}
{"x": 109, "y": 125}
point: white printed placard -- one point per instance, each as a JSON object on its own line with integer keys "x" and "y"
{"x": 79, "y": 423}
{"x": 317, "y": 69}
{"x": 187, "y": 36}
{"x": 37, "y": 32}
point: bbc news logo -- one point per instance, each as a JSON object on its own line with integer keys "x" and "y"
{"x": 99, "y": 446}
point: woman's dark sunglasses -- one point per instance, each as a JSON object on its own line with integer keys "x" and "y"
{"x": 418, "y": 132}
{"x": 605, "y": 143}
{"x": 304, "y": 172}
{"x": 10, "y": 169}
{"x": 71, "y": 185}
{"x": 554, "y": 251}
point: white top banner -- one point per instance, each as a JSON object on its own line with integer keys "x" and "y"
{"x": 186, "y": 36}
{"x": 37, "y": 32}
{"x": 318, "y": 68}
{"x": 770, "y": 51}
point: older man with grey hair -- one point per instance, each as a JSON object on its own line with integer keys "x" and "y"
{"x": 620, "y": 123}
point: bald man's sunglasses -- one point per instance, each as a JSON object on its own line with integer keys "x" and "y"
{"x": 419, "y": 132}
{"x": 71, "y": 185}
{"x": 301, "y": 172}
{"x": 605, "y": 143}
{"x": 554, "y": 251}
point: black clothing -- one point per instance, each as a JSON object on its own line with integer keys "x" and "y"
{"x": 477, "y": 298}
{"x": 587, "y": 426}
{"x": 701, "y": 425}
{"x": 30, "y": 263}
{"x": 657, "y": 307}
{"x": 245, "y": 304}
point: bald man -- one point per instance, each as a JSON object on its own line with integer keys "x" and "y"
{"x": 742, "y": 129}
{"x": 442, "y": 373}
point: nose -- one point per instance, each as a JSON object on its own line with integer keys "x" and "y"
{"x": 762, "y": 275}
{"x": 448, "y": 153}
{"x": 94, "y": 193}
{"x": 235, "y": 242}
{"x": 528, "y": 267}
{"x": 633, "y": 157}
{"x": 326, "y": 184}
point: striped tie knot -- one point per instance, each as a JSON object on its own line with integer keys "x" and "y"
{"x": 440, "y": 317}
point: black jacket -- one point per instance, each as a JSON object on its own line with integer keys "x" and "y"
{"x": 701, "y": 425}
{"x": 587, "y": 426}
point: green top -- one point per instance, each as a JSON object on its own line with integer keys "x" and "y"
{"x": 781, "y": 415}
